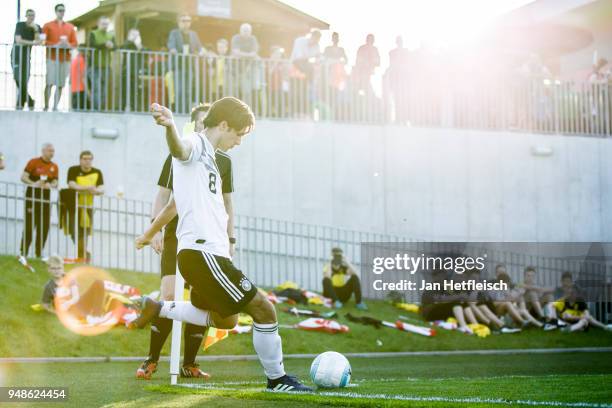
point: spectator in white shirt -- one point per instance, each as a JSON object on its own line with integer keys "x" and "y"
{"x": 306, "y": 52}
{"x": 244, "y": 44}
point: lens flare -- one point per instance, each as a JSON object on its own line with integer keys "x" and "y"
{"x": 89, "y": 302}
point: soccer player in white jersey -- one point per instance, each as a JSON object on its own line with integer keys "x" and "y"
{"x": 219, "y": 290}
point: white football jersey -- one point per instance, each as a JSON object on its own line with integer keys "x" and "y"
{"x": 199, "y": 200}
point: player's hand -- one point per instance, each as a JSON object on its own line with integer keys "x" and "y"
{"x": 157, "y": 243}
{"x": 142, "y": 241}
{"x": 162, "y": 115}
{"x": 232, "y": 250}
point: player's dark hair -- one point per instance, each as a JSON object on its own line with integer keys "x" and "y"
{"x": 58, "y": 5}
{"x": 203, "y": 107}
{"x": 529, "y": 269}
{"x": 236, "y": 113}
{"x": 85, "y": 153}
{"x": 566, "y": 275}
{"x": 28, "y": 10}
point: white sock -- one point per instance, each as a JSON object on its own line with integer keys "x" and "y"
{"x": 269, "y": 348}
{"x": 185, "y": 312}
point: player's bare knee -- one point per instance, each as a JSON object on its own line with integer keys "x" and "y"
{"x": 167, "y": 287}
{"x": 261, "y": 310}
{"x": 226, "y": 323}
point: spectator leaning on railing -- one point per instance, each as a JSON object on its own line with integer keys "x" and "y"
{"x": 78, "y": 81}
{"x": 182, "y": 42}
{"x": 305, "y": 56}
{"x": 368, "y": 59}
{"x": 103, "y": 42}
{"x": 278, "y": 70}
{"x": 27, "y": 33}
{"x": 132, "y": 65}
{"x": 40, "y": 175}
{"x": 244, "y": 44}
{"x": 220, "y": 70}
{"x": 306, "y": 52}
{"x": 88, "y": 182}
{"x": 397, "y": 79}
{"x": 59, "y": 37}
{"x": 245, "y": 48}
{"x": 335, "y": 59}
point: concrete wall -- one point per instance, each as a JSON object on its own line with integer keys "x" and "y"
{"x": 435, "y": 184}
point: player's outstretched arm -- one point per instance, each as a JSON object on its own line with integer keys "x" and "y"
{"x": 164, "y": 217}
{"x": 163, "y": 117}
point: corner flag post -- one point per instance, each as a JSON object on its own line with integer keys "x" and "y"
{"x": 175, "y": 346}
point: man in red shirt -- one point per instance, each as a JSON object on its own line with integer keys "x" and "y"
{"x": 78, "y": 88}
{"x": 40, "y": 175}
{"x": 60, "y": 36}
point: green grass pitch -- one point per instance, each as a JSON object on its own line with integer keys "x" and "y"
{"x": 563, "y": 379}
{"x": 420, "y": 381}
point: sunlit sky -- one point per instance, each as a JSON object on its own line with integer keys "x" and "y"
{"x": 449, "y": 22}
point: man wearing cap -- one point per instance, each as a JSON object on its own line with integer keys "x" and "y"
{"x": 340, "y": 281}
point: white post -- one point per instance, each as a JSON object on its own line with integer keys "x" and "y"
{"x": 175, "y": 346}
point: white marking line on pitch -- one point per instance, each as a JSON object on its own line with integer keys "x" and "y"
{"x": 387, "y": 397}
{"x": 405, "y": 379}
{"x": 111, "y": 359}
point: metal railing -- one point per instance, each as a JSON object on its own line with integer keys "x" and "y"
{"x": 129, "y": 81}
{"x": 268, "y": 251}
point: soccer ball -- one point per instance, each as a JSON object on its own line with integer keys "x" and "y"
{"x": 330, "y": 370}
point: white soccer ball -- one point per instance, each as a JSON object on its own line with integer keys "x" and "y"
{"x": 330, "y": 370}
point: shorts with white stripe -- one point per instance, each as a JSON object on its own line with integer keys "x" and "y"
{"x": 216, "y": 284}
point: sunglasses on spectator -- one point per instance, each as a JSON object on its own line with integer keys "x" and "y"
{"x": 60, "y": 10}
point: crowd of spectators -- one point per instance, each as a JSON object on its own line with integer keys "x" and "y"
{"x": 522, "y": 305}
{"x": 185, "y": 72}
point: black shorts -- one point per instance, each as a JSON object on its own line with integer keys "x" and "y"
{"x": 484, "y": 299}
{"x": 216, "y": 284}
{"x": 438, "y": 311}
{"x": 168, "y": 257}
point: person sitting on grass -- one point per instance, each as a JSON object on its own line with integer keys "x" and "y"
{"x": 441, "y": 304}
{"x": 340, "y": 281}
{"x": 534, "y": 296}
{"x": 505, "y": 303}
{"x": 481, "y": 305}
{"x": 572, "y": 309}
{"x": 55, "y": 266}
